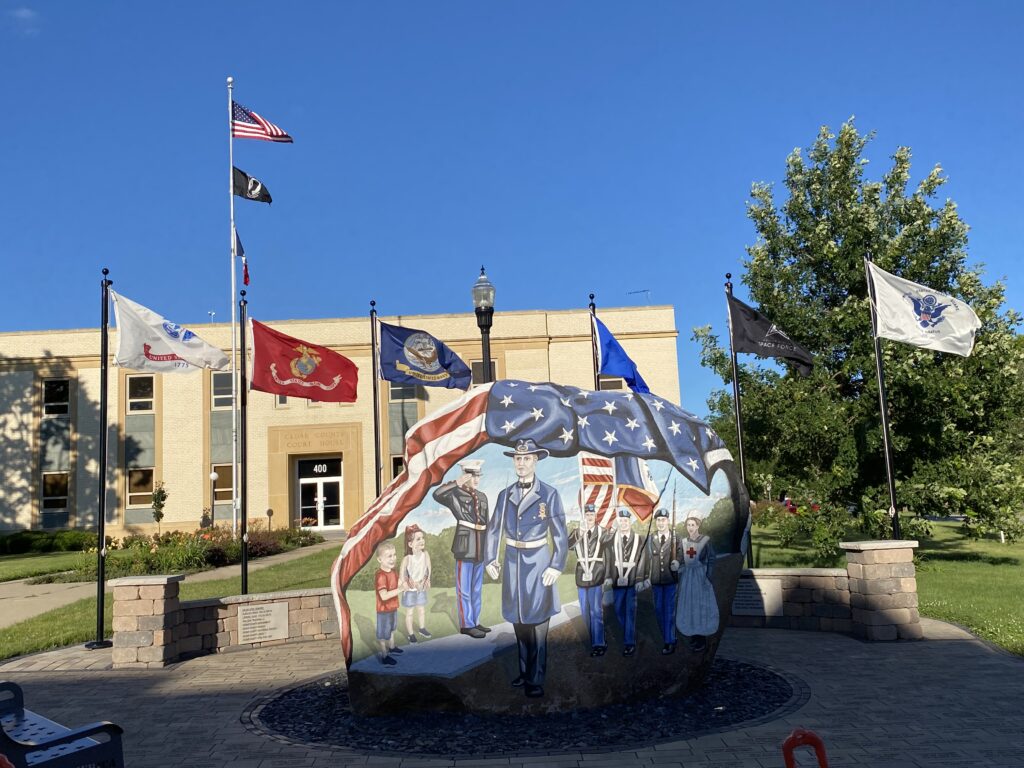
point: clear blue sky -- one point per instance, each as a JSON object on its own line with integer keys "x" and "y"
{"x": 571, "y": 147}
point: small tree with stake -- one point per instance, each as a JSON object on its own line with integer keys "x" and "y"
{"x": 159, "y": 501}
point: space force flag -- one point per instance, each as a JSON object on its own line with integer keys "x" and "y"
{"x": 753, "y": 332}
{"x": 409, "y": 356}
{"x": 148, "y": 342}
{"x": 612, "y": 359}
{"x": 915, "y": 314}
{"x": 284, "y": 365}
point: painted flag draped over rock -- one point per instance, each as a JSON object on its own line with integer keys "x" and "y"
{"x": 148, "y": 342}
{"x": 563, "y": 420}
{"x": 284, "y": 365}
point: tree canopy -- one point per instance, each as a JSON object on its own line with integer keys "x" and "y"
{"x": 957, "y": 423}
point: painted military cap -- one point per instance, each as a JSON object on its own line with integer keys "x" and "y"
{"x": 661, "y": 513}
{"x": 588, "y": 508}
{"x": 472, "y": 466}
{"x": 623, "y": 512}
{"x": 527, "y": 447}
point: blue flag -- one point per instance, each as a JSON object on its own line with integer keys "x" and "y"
{"x": 408, "y": 356}
{"x": 612, "y": 359}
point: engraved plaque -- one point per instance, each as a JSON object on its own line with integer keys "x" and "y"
{"x": 758, "y": 597}
{"x": 259, "y": 623}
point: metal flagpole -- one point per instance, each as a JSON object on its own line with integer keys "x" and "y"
{"x": 376, "y": 396}
{"x": 883, "y": 403}
{"x": 735, "y": 381}
{"x": 101, "y": 509}
{"x": 593, "y": 344}
{"x": 243, "y": 442}
{"x": 234, "y": 327}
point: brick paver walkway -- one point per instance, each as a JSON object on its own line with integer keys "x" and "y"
{"x": 950, "y": 701}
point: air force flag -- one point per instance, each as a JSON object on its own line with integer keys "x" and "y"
{"x": 409, "y": 356}
{"x": 612, "y": 359}
{"x": 915, "y": 314}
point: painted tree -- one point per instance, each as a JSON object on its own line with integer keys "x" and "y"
{"x": 957, "y": 423}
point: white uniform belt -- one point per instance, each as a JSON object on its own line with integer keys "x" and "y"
{"x": 526, "y": 544}
{"x": 474, "y": 526}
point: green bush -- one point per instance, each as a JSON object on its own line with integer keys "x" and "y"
{"x": 23, "y": 542}
{"x": 821, "y": 527}
{"x": 877, "y": 524}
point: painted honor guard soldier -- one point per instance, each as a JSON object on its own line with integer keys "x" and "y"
{"x": 469, "y": 506}
{"x": 527, "y": 512}
{"x": 663, "y": 560}
{"x": 592, "y": 544}
{"x": 627, "y": 576}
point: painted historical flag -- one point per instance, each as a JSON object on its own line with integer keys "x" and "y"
{"x": 246, "y": 124}
{"x": 563, "y": 420}
{"x": 637, "y": 491}
{"x": 246, "y": 186}
{"x": 284, "y": 365}
{"x": 409, "y": 356}
{"x": 612, "y": 359}
{"x": 597, "y": 486}
{"x": 148, "y": 342}
{"x": 753, "y": 332}
{"x": 915, "y": 314}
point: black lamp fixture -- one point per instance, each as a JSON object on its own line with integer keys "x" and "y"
{"x": 483, "y": 301}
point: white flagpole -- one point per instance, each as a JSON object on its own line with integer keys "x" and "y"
{"x": 234, "y": 324}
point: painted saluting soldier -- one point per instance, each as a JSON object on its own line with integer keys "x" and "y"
{"x": 663, "y": 559}
{"x": 592, "y": 545}
{"x": 527, "y": 512}
{"x": 469, "y": 506}
{"x": 627, "y": 576}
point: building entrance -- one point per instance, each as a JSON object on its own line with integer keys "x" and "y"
{"x": 320, "y": 499}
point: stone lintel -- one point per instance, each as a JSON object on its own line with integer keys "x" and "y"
{"x": 144, "y": 581}
{"x": 868, "y": 546}
{"x": 747, "y": 573}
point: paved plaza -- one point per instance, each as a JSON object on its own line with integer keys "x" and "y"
{"x": 951, "y": 701}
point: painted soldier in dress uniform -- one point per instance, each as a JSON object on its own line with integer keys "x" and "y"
{"x": 469, "y": 507}
{"x": 627, "y": 576}
{"x": 526, "y": 513}
{"x": 663, "y": 559}
{"x": 592, "y": 544}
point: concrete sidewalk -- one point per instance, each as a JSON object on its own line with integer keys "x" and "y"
{"x": 20, "y": 600}
{"x": 951, "y": 700}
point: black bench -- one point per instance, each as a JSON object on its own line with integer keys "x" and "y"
{"x": 30, "y": 739}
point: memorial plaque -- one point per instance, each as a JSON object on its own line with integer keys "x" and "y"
{"x": 758, "y": 598}
{"x": 260, "y": 623}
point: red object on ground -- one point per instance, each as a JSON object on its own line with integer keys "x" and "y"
{"x": 801, "y": 738}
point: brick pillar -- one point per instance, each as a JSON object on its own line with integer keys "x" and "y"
{"x": 883, "y": 589}
{"x": 146, "y": 614}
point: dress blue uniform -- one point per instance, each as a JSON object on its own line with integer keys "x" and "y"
{"x": 469, "y": 507}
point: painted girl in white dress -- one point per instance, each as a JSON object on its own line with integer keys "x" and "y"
{"x": 696, "y": 606}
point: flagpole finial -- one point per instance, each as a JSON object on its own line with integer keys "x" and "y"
{"x": 231, "y": 81}
{"x": 106, "y": 271}
{"x": 372, "y": 303}
{"x": 482, "y": 269}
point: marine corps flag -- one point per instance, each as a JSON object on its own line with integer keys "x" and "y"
{"x": 246, "y": 186}
{"x": 409, "y": 356}
{"x": 283, "y": 365}
{"x": 753, "y": 332}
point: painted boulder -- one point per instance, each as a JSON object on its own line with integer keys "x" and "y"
{"x": 546, "y": 548}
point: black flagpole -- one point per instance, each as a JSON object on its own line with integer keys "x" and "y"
{"x": 593, "y": 343}
{"x": 737, "y": 408}
{"x": 243, "y": 452}
{"x": 101, "y": 535}
{"x": 883, "y": 404}
{"x": 376, "y": 396}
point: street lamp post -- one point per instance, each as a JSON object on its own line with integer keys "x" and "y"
{"x": 213, "y": 498}
{"x": 483, "y": 300}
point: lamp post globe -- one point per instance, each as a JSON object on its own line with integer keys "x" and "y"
{"x": 483, "y": 302}
{"x": 214, "y": 477}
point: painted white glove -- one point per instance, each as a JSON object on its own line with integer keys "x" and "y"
{"x": 674, "y": 565}
{"x": 607, "y": 598}
{"x": 608, "y": 584}
{"x": 494, "y": 570}
{"x": 550, "y": 576}
{"x": 643, "y": 585}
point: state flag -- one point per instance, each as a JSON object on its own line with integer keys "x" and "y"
{"x": 240, "y": 253}
{"x": 246, "y": 186}
{"x": 148, "y": 342}
{"x": 612, "y": 359}
{"x": 753, "y": 332}
{"x": 915, "y": 314}
{"x": 284, "y": 365}
{"x": 409, "y": 356}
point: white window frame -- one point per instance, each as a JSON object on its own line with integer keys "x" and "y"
{"x": 128, "y": 493}
{"x": 129, "y": 399}
{"x": 214, "y": 397}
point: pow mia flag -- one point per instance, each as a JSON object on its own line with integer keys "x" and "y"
{"x": 753, "y": 332}
{"x": 246, "y": 186}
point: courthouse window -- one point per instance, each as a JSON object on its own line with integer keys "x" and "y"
{"x": 220, "y": 384}
{"x": 140, "y": 487}
{"x": 56, "y": 397}
{"x": 55, "y": 490}
{"x": 140, "y": 393}
{"x": 223, "y": 485}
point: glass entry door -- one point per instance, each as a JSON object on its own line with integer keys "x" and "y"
{"x": 320, "y": 493}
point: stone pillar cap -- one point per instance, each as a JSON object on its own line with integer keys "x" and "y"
{"x": 145, "y": 581}
{"x": 867, "y": 546}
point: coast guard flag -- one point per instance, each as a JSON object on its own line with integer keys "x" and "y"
{"x": 409, "y": 356}
{"x": 612, "y": 359}
{"x": 915, "y": 314}
{"x": 284, "y": 365}
{"x": 148, "y": 342}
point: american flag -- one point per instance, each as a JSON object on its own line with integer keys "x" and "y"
{"x": 564, "y": 420}
{"x": 246, "y": 124}
{"x": 597, "y": 486}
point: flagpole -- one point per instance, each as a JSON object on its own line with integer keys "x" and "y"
{"x": 243, "y": 442}
{"x": 593, "y": 344}
{"x": 376, "y": 396}
{"x": 737, "y": 408}
{"x": 234, "y": 327}
{"x": 101, "y": 509}
{"x": 883, "y": 403}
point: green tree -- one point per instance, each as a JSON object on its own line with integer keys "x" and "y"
{"x": 159, "y": 502}
{"x": 957, "y": 425}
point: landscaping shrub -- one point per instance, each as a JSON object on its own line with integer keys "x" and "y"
{"x": 23, "y": 542}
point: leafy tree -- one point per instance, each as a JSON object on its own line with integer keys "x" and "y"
{"x": 159, "y": 502}
{"x": 957, "y": 425}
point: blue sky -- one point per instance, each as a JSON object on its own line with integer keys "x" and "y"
{"x": 571, "y": 147}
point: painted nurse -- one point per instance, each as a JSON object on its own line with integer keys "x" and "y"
{"x": 696, "y": 608}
